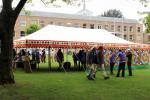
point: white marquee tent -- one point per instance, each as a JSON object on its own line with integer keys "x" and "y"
{"x": 53, "y": 36}
{"x": 73, "y": 37}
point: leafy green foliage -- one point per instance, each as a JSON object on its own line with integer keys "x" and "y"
{"x": 32, "y": 28}
{"x": 113, "y": 13}
{"x": 147, "y": 23}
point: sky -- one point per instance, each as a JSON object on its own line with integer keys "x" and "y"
{"x": 129, "y": 8}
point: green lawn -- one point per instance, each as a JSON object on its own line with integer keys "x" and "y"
{"x": 74, "y": 86}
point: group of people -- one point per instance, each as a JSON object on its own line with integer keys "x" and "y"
{"x": 89, "y": 60}
{"x": 36, "y": 56}
{"x": 79, "y": 59}
{"x": 122, "y": 55}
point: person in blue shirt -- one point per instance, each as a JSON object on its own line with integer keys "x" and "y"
{"x": 122, "y": 61}
{"x": 112, "y": 62}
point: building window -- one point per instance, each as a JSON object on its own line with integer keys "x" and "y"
{"x": 42, "y": 23}
{"x": 84, "y": 25}
{"x": 59, "y": 24}
{"x": 131, "y": 29}
{"x": 99, "y": 26}
{"x": 125, "y": 28}
{"x": 119, "y": 28}
{"x": 91, "y": 26}
{"x": 148, "y": 38}
{"x": 112, "y": 27}
{"x": 131, "y": 37}
{"x": 106, "y": 27}
{"x": 76, "y": 25}
{"x": 22, "y": 23}
{"x": 125, "y": 37}
{"x": 22, "y": 33}
{"x": 34, "y": 22}
{"x": 51, "y": 23}
{"x": 69, "y": 24}
{"x": 139, "y": 29}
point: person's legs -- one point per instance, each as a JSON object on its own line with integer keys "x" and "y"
{"x": 119, "y": 69}
{"x": 75, "y": 63}
{"x": 129, "y": 68}
{"x": 111, "y": 68}
{"x": 44, "y": 59}
{"x": 90, "y": 76}
{"x": 94, "y": 70}
{"x": 104, "y": 72}
{"x": 123, "y": 69}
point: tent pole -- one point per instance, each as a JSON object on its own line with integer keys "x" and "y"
{"x": 149, "y": 58}
{"x": 67, "y": 55}
{"x": 49, "y": 58}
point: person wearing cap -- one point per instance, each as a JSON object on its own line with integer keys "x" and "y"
{"x": 129, "y": 61}
{"x": 122, "y": 61}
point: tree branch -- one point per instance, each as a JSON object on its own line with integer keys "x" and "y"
{"x": 43, "y": 2}
{"x": 19, "y": 7}
{"x": 7, "y": 4}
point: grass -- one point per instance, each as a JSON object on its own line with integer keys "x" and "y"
{"x": 74, "y": 86}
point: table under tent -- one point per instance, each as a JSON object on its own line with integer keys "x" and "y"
{"x": 52, "y": 36}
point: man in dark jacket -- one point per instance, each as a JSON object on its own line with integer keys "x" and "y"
{"x": 96, "y": 59}
{"x": 129, "y": 61}
{"x": 60, "y": 58}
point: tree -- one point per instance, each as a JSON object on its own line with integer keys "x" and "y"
{"x": 146, "y": 22}
{"x": 8, "y": 17}
{"x": 32, "y": 28}
{"x": 113, "y": 13}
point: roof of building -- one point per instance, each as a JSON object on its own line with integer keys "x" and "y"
{"x": 80, "y": 17}
{"x": 85, "y": 12}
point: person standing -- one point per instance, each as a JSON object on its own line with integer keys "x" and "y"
{"x": 96, "y": 58}
{"x": 75, "y": 59}
{"x": 122, "y": 61}
{"x": 92, "y": 58}
{"x": 60, "y": 58}
{"x": 100, "y": 58}
{"x": 37, "y": 57}
{"x": 43, "y": 56}
{"x": 112, "y": 62}
{"x": 14, "y": 53}
{"x": 129, "y": 61}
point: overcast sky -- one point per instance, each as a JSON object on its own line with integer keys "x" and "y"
{"x": 129, "y": 8}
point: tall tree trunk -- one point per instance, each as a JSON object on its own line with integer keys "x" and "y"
{"x": 6, "y": 30}
{"x": 8, "y": 17}
{"x": 6, "y": 73}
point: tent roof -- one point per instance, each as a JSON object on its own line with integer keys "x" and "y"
{"x": 62, "y": 33}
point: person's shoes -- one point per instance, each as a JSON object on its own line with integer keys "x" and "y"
{"x": 107, "y": 77}
{"x": 94, "y": 76}
{"x": 117, "y": 76}
{"x": 90, "y": 78}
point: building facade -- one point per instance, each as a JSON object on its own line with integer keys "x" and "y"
{"x": 129, "y": 29}
{"x": 147, "y": 38}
